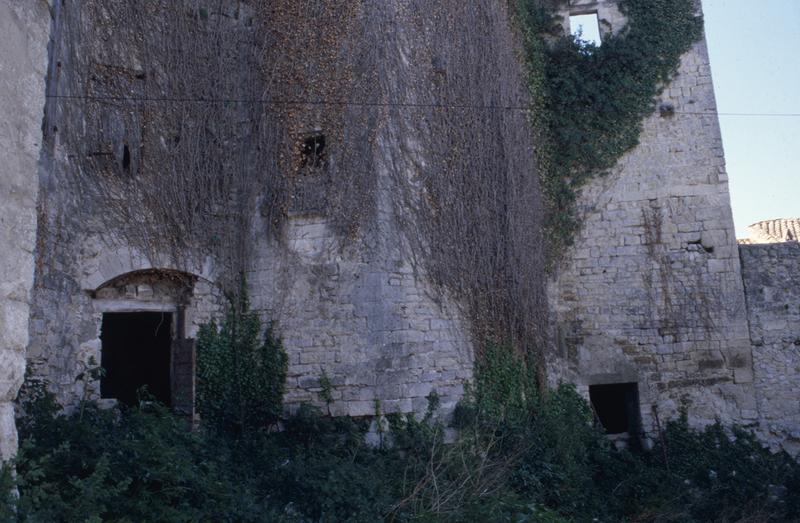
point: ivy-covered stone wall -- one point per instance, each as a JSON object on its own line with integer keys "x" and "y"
{"x": 393, "y": 216}
{"x": 337, "y": 251}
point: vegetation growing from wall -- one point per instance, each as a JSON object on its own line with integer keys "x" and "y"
{"x": 590, "y": 101}
{"x": 519, "y": 457}
{"x": 240, "y": 377}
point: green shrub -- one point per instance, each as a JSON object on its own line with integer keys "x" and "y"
{"x": 240, "y": 378}
{"x": 520, "y": 457}
{"x": 553, "y": 455}
{"x": 726, "y": 474}
{"x": 137, "y": 464}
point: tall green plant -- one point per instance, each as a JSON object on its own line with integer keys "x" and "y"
{"x": 240, "y": 375}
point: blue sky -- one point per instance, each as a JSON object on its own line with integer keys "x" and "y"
{"x": 755, "y": 62}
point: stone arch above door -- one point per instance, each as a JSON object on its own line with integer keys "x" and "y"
{"x": 187, "y": 300}
{"x": 112, "y": 263}
{"x": 145, "y": 290}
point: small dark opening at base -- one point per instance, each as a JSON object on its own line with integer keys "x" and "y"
{"x": 617, "y": 406}
{"x": 136, "y": 353}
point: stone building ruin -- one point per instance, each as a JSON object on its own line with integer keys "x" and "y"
{"x": 654, "y": 309}
{"x": 773, "y": 231}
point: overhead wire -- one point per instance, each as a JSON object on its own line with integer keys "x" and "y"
{"x": 350, "y": 103}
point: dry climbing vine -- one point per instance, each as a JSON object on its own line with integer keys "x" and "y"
{"x": 318, "y": 68}
{"x": 417, "y": 133}
{"x": 169, "y": 150}
{"x": 475, "y": 206}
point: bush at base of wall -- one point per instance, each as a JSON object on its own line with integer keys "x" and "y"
{"x": 520, "y": 457}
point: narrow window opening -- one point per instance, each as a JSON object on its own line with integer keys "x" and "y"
{"x": 586, "y": 28}
{"x": 136, "y": 353}
{"x": 312, "y": 151}
{"x": 617, "y": 407}
{"x": 126, "y": 158}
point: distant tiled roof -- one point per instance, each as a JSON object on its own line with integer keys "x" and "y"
{"x": 775, "y": 231}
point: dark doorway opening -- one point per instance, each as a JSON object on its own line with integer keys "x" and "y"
{"x": 136, "y": 353}
{"x": 617, "y": 406}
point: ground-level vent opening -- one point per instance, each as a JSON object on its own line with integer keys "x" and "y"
{"x": 136, "y": 352}
{"x": 617, "y": 407}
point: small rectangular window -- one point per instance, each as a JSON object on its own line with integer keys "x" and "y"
{"x": 586, "y": 28}
{"x": 312, "y": 151}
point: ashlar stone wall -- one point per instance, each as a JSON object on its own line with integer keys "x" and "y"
{"x": 24, "y": 31}
{"x": 772, "y": 285}
{"x": 363, "y": 318}
{"x": 651, "y": 292}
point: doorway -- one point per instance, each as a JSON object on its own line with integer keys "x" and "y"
{"x": 617, "y": 407}
{"x": 136, "y": 352}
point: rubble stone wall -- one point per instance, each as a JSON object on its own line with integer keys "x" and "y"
{"x": 356, "y": 310}
{"x": 772, "y": 286}
{"x": 76, "y": 258}
{"x": 652, "y": 291}
{"x": 363, "y": 317}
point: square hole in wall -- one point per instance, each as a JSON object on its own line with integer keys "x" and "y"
{"x": 617, "y": 406}
{"x": 312, "y": 150}
{"x": 586, "y": 28}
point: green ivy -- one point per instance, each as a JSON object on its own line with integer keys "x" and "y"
{"x": 240, "y": 377}
{"x": 589, "y": 102}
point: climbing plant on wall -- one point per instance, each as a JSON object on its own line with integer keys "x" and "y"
{"x": 590, "y": 102}
{"x": 166, "y": 151}
{"x": 199, "y": 116}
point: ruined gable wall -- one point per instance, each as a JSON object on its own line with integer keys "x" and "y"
{"x": 772, "y": 285}
{"x": 651, "y": 290}
{"x": 24, "y": 30}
